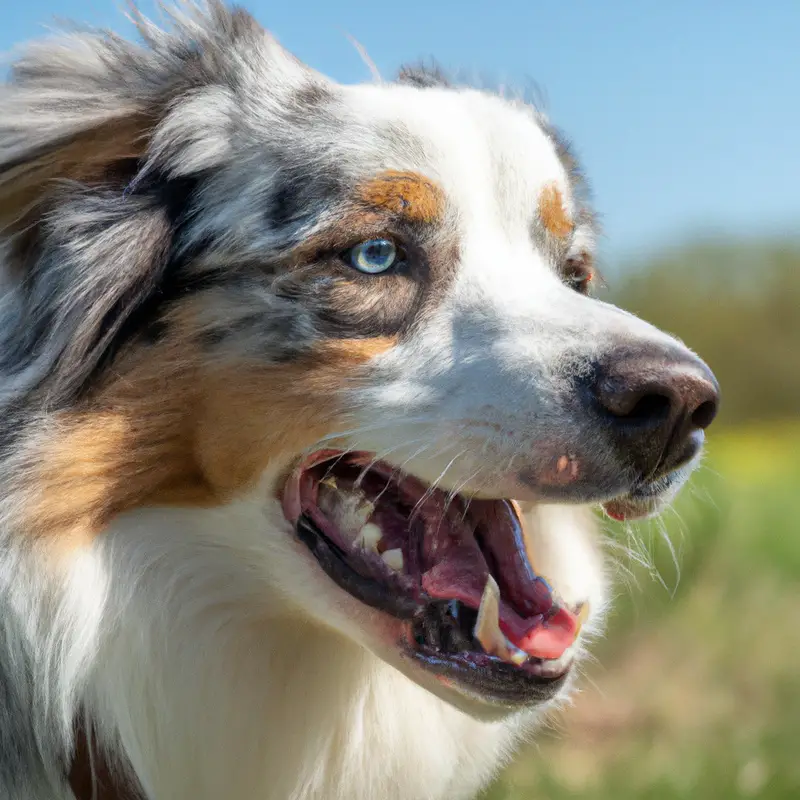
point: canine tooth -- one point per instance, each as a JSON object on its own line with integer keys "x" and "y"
{"x": 393, "y": 559}
{"x": 487, "y": 627}
{"x": 369, "y": 536}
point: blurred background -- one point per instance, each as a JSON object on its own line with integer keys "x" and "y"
{"x": 687, "y": 120}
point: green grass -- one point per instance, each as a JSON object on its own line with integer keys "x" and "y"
{"x": 697, "y": 690}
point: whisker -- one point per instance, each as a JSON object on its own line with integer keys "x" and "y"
{"x": 382, "y": 455}
{"x": 361, "y": 429}
{"x": 456, "y": 491}
{"x": 432, "y": 487}
{"x": 401, "y": 469}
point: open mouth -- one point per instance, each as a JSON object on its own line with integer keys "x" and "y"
{"x": 456, "y": 574}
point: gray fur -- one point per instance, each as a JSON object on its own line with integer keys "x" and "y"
{"x": 424, "y": 76}
{"x": 26, "y": 763}
{"x": 100, "y": 256}
{"x": 96, "y": 254}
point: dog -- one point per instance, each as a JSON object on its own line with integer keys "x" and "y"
{"x": 306, "y": 402}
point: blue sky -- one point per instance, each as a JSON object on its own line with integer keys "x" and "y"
{"x": 686, "y": 114}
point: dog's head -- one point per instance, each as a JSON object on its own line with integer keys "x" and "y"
{"x": 372, "y": 304}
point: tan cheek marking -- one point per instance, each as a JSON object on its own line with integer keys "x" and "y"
{"x": 130, "y": 446}
{"x": 552, "y": 213}
{"x": 405, "y": 193}
{"x": 256, "y": 416}
{"x": 172, "y": 430}
{"x": 355, "y": 352}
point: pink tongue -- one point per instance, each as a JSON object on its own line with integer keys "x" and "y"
{"x": 549, "y": 639}
{"x": 454, "y": 567}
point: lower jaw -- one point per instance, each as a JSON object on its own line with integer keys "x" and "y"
{"x": 483, "y": 686}
{"x": 486, "y": 701}
{"x": 477, "y": 681}
{"x": 503, "y": 688}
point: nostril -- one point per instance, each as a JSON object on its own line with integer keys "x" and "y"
{"x": 655, "y": 402}
{"x": 649, "y": 408}
{"x": 704, "y": 414}
{"x": 649, "y": 392}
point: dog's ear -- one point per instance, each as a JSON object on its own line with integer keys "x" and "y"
{"x": 82, "y": 106}
{"x": 70, "y": 112}
{"x": 99, "y": 139}
{"x": 105, "y": 152}
{"x": 91, "y": 108}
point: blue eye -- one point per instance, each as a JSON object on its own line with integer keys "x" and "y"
{"x": 373, "y": 256}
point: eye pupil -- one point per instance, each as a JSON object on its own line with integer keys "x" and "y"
{"x": 373, "y": 256}
{"x": 378, "y": 250}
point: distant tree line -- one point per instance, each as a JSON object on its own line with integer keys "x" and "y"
{"x": 738, "y": 306}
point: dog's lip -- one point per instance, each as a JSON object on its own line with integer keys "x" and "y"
{"x": 493, "y": 681}
{"x": 644, "y": 500}
{"x": 624, "y": 509}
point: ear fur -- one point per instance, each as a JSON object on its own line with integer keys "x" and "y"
{"x": 79, "y": 103}
{"x": 93, "y": 130}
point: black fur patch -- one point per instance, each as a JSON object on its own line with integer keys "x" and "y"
{"x": 301, "y": 194}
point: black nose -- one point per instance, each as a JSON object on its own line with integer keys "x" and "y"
{"x": 657, "y": 403}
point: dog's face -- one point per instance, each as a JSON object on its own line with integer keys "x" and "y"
{"x": 373, "y": 304}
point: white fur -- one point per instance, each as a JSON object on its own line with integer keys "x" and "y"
{"x": 190, "y": 638}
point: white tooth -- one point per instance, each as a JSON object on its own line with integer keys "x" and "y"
{"x": 510, "y": 652}
{"x": 369, "y": 537}
{"x": 348, "y": 509}
{"x": 327, "y": 499}
{"x": 394, "y": 559}
{"x": 487, "y": 627}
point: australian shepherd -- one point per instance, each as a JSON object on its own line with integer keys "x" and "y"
{"x": 304, "y": 404}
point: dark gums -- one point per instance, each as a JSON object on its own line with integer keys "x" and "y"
{"x": 370, "y": 592}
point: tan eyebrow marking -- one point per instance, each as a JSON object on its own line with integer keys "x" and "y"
{"x": 408, "y": 194}
{"x": 552, "y": 213}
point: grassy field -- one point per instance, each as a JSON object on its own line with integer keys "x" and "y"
{"x": 696, "y": 693}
